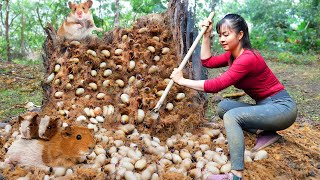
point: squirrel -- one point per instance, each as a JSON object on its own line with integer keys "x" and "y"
{"x": 79, "y": 23}
{"x": 34, "y": 127}
{"x": 68, "y": 147}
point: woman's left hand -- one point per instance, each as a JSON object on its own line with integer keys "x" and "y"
{"x": 177, "y": 76}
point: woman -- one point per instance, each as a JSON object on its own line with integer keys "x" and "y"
{"x": 274, "y": 109}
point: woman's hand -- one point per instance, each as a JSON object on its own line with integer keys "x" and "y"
{"x": 177, "y": 76}
{"x": 206, "y": 23}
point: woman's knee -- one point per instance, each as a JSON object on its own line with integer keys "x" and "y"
{"x": 227, "y": 105}
{"x": 229, "y": 118}
{"x": 222, "y": 108}
{"x": 289, "y": 118}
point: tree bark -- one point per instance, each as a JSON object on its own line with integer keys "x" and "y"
{"x": 186, "y": 32}
{"x": 22, "y": 38}
{"x": 117, "y": 14}
{"x": 1, "y": 20}
{"x": 199, "y": 72}
{"x": 7, "y": 27}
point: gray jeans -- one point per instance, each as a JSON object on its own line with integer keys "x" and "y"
{"x": 274, "y": 113}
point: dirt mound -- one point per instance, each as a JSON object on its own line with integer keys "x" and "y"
{"x": 125, "y": 71}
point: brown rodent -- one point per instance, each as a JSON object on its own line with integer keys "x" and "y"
{"x": 66, "y": 148}
{"x": 79, "y": 23}
{"x": 29, "y": 125}
{"x": 32, "y": 126}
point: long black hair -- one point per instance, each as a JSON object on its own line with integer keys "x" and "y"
{"x": 236, "y": 23}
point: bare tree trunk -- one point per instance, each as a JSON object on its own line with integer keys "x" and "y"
{"x": 1, "y": 23}
{"x": 39, "y": 18}
{"x": 1, "y": 20}
{"x": 186, "y": 33}
{"x": 100, "y": 13}
{"x": 116, "y": 22}
{"x": 22, "y": 38}
{"x": 198, "y": 71}
{"x": 9, "y": 58}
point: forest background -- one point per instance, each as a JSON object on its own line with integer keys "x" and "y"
{"x": 288, "y": 27}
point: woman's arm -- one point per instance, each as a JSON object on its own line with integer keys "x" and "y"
{"x": 178, "y": 78}
{"x": 206, "y": 57}
{"x": 194, "y": 84}
{"x": 239, "y": 69}
{"x": 206, "y": 44}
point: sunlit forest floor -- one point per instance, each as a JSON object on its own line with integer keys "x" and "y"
{"x": 297, "y": 155}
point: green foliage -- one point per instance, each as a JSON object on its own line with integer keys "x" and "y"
{"x": 284, "y": 26}
{"x": 286, "y": 57}
{"x": 25, "y": 61}
{"x": 147, "y": 6}
{"x": 305, "y": 58}
{"x": 276, "y": 25}
{"x": 11, "y": 97}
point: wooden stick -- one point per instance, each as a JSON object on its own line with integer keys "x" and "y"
{"x": 182, "y": 64}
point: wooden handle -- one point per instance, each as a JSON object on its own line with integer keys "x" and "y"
{"x": 182, "y": 64}
{"x": 194, "y": 45}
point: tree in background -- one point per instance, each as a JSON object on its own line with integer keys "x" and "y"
{"x": 308, "y": 29}
{"x": 117, "y": 14}
{"x": 280, "y": 25}
{"x": 8, "y": 24}
{"x": 1, "y": 31}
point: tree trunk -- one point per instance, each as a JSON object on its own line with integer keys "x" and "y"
{"x": 7, "y": 26}
{"x": 116, "y": 22}
{"x": 22, "y": 38}
{"x": 199, "y": 72}
{"x": 186, "y": 32}
{"x": 100, "y": 15}
{"x": 1, "y": 20}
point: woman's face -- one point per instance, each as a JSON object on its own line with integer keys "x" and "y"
{"x": 229, "y": 39}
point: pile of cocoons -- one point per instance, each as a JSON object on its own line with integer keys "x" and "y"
{"x": 110, "y": 85}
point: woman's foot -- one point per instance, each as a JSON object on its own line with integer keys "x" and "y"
{"x": 265, "y": 139}
{"x": 228, "y": 176}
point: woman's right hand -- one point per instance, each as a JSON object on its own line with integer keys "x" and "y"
{"x": 206, "y": 23}
{"x": 177, "y": 76}
{"x": 205, "y": 52}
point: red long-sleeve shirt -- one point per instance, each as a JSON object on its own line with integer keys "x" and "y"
{"x": 248, "y": 72}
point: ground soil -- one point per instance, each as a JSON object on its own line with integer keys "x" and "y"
{"x": 295, "y": 156}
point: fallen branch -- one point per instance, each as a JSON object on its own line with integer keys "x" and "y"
{"x": 234, "y": 95}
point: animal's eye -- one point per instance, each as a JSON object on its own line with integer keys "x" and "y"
{"x": 49, "y": 127}
{"x": 74, "y": 9}
{"x": 83, "y": 8}
{"x": 79, "y": 137}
